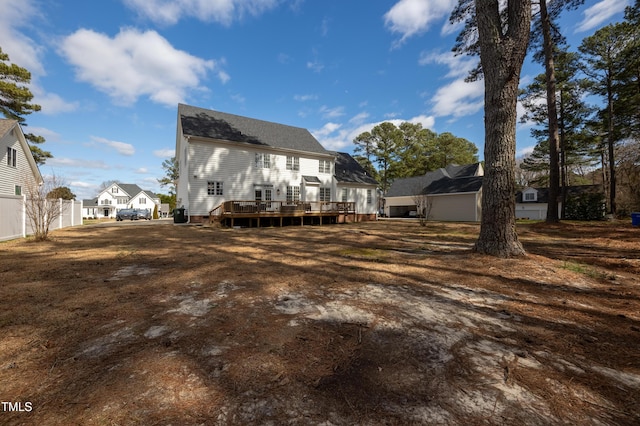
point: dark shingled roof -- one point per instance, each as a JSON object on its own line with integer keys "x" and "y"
{"x": 415, "y": 185}
{"x": 311, "y": 179}
{"x": 205, "y": 123}
{"x": 454, "y": 186}
{"x": 348, "y": 170}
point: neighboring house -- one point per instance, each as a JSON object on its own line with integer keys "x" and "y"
{"x": 18, "y": 169}
{"x": 532, "y": 203}
{"x": 20, "y": 177}
{"x": 353, "y": 183}
{"x": 452, "y": 193}
{"x": 119, "y": 196}
{"x": 223, "y": 157}
{"x": 164, "y": 210}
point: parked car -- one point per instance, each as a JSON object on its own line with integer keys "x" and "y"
{"x": 130, "y": 214}
{"x": 144, "y": 213}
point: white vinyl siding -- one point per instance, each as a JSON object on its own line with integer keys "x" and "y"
{"x": 21, "y": 174}
{"x": 236, "y": 167}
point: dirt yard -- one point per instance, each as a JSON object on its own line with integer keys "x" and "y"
{"x": 374, "y": 323}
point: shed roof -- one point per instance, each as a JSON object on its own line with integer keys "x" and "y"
{"x": 205, "y": 123}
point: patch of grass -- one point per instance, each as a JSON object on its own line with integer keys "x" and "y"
{"x": 583, "y": 269}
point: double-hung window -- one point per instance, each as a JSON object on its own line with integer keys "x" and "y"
{"x": 325, "y": 194}
{"x": 214, "y": 188}
{"x": 293, "y": 163}
{"x": 293, "y": 194}
{"x": 11, "y": 157}
{"x": 324, "y": 166}
{"x": 369, "y": 196}
{"x": 263, "y": 161}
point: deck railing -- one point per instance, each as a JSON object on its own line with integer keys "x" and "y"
{"x": 281, "y": 208}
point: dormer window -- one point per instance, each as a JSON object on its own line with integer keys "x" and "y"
{"x": 530, "y": 196}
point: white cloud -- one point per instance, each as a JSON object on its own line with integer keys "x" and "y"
{"x": 459, "y": 66}
{"x": 599, "y": 13}
{"x": 336, "y": 137}
{"x": 77, "y": 163}
{"x": 165, "y": 153}
{"x": 360, "y": 118}
{"x": 135, "y": 64}
{"x": 22, "y": 50}
{"x": 16, "y": 20}
{"x": 120, "y": 147}
{"x": 331, "y": 112}
{"x": 411, "y": 17}
{"x": 304, "y": 98}
{"x": 51, "y": 103}
{"x": 523, "y": 152}
{"x": 327, "y": 129}
{"x": 458, "y": 99}
{"x": 169, "y": 12}
{"x": 81, "y": 184}
{"x": 142, "y": 170}
{"x": 315, "y": 65}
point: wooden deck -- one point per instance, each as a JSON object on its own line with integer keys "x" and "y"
{"x": 280, "y": 213}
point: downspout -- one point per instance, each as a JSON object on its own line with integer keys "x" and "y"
{"x": 186, "y": 155}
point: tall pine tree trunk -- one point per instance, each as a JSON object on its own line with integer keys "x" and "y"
{"x": 552, "y": 114}
{"x": 502, "y": 52}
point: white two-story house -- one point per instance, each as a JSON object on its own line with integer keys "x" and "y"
{"x": 118, "y": 196}
{"x": 223, "y": 157}
{"x": 18, "y": 169}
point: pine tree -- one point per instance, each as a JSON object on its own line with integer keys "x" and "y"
{"x": 15, "y": 102}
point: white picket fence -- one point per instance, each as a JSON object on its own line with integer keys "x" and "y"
{"x": 14, "y": 222}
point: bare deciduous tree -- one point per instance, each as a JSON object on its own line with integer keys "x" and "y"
{"x": 41, "y": 210}
{"x": 423, "y": 204}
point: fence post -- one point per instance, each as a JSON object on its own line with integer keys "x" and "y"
{"x": 24, "y": 216}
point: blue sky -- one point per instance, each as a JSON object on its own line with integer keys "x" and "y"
{"x": 109, "y": 74}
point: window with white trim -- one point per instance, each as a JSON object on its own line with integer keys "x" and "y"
{"x": 114, "y": 190}
{"x": 142, "y": 200}
{"x": 324, "y": 166}
{"x": 263, "y": 161}
{"x": 325, "y": 194}
{"x": 529, "y": 196}
{"x": 214, "y": 188}
{"x": 293, "y": 163}
{"x": 344, "y": 195}
{"x": 11, "y": 157}
{"x": 293, "y": 194}
{"x": 18, "y": 190}
{"x": 369, "y": 196}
